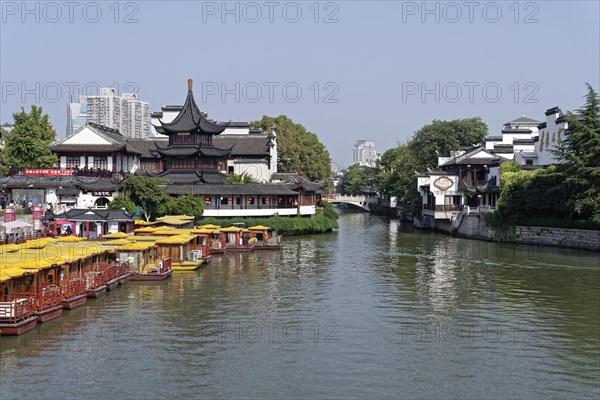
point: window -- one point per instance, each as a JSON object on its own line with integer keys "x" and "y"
{"x": 101, "y": 162}
{"x": 224, "y": 201}
{"x": 528, "y": 162}
{"x": 238, "y": 201}
{"x": 251, "y": 201}
{"x": 72, "y": 162}
{"x": 208, "y": 201}
{"x": 182, "y": 163}
{"x": 265, "y": 200}
{"x": 230, "y": 169}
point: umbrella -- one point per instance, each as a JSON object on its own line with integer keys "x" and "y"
{"x": 15, "y": 224}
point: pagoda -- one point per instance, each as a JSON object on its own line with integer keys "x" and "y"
{"x": 190, "y": 156}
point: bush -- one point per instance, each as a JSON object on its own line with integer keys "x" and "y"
{"x": 560, "y": 223}
{"x": 283, "y": 225}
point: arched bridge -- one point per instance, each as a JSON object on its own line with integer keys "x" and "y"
{"x": 358, "y": 202}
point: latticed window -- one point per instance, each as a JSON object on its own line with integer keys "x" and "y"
{"x": 72, "y": 162}
{"x": 101, "y": 162}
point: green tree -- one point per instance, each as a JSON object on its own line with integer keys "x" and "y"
{"x": 148, "y": 193}
{"x": 355, "y": 178}
{"x": 244, "y": 178}
{"x": 188, "y": 205}
{"x": 120, "y": 202}
{"x": 298, "y": 150}
{"x": 579, "y": 153}
{"x": 27, "y": 144}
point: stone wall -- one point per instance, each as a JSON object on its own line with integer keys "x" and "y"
{"x": 574, "y": 238}
{"x": 474, "y": 226}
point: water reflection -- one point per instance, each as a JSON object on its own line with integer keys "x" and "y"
{"x": 374, "y": 310}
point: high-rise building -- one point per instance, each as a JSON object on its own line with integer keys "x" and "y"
{"x": 125, "y": 113}
{"x": 364, "y": 153}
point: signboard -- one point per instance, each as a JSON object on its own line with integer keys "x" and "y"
{"x": 101, "y": 193}
{"x": 47, "y": 172}
{"x": 443, "y": 183}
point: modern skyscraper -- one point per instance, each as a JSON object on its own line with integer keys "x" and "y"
{"x": 364, "y": 153}
{"x": 127, "y": 114}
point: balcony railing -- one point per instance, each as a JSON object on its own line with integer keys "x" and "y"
{"x": 444, "y": 207}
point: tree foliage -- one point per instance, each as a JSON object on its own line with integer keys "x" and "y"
{"x": 298, "y": 150}
{"x": 244, "y": 178}
{"x": 579, "y": 153}
{"x": 187, "y": 205}
{"x": 27, "y": 144}
{"x": 356, "y": 178}
{"x": 120, "y": 202}
{"x": 148, "y": 193}
{"x": 397, "y": 167}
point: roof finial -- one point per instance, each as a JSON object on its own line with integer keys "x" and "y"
{"x": 189, "y": 85}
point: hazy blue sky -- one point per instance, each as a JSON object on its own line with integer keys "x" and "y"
{"x": 370, "y": 60}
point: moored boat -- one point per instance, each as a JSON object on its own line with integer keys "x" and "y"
{"x": 160, "y": 272}
{"x": 17, "y": 316}
{"x": 95, "y": 286}
{"x": 264, "y": 238}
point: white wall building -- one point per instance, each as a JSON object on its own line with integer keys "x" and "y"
{"x": 364, "y": 153}
{"x": 125, "y": 113}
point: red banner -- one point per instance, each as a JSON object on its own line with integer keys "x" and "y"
{"x": 47, "y": 172}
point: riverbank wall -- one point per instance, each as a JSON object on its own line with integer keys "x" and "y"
{"x": 474, "y": 226}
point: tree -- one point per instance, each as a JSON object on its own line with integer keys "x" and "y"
{"x": 579, "y": 153}
{"x": 148, "y": 194}
{"x": 27, "y": 146}
{"x": 356, "y": 178}
{"x": 188, "y": 205}
{"x": 398, "y": 167}
{"x": 442, "y": 137}
{"x": 298, "y": 150}
{"x": 244, "y": 178}
{"x": 120, "y": 202}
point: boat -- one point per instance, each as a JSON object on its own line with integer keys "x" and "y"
{"x": 264, "y": 238}
{"x": 74, "y": 294}
{"x": 17, "y": 316}
{"x": 110, "y": 275}
{"x": 236, "y": 239}
{"x": 48, "y": 303}
{"x": 160, "y": 272}
{"x": 95, "y": 286}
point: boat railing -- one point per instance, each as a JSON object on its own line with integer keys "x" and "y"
{"x": 73, "y": 287}
{"x": 50, "y": 297}
{"x": 94, "y": 279}
{"x": 16, "y": 310}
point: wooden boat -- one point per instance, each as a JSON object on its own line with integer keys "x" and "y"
{"x": 73, "y": 293}
{"x": 17, "y": 316}
{"x": 110, "y": 275}
{"x": 160, "y": 272}
{"x": 264, "y": 238}
{"x": 95, "y": 286}
{"x": 236, "y": 239}
{"x": 48, "y": 303}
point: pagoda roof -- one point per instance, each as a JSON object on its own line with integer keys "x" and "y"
{"x": 192, "y": 176}
{"x": 190, "y": 119}
{"x": 190, "y": 150}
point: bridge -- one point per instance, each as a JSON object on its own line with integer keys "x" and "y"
{"x": 358, "y": 202}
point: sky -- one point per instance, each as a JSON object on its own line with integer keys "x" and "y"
{"x": 346, "y": 70}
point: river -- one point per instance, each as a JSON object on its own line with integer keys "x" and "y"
{"x": 375, "y": 310}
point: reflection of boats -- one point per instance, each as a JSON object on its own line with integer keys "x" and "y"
{"x": 161, "y": 271}
{"x": 264, "y": 238}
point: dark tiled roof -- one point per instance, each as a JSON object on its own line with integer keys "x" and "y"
{"x": 553, "y": 110}
{"x": 86, "y": 148}
{"x": 542, "y": 125}
{"x": 214, "y": 151}
{"x": 467, "y": 158}
{"x": 19, "y": 181}
{"x": 173, "y": 151}
{"x": 524, "y": 120}
{"x": 516, "y": 131}
{"x": 213, "y": 177}
{"x": 89, "y": 214}
{"x": 68, "y": 191}
{"x": 190, "y": 119}
{"x": 223, "y": 189}
{"x": 145, "y": 146}
{"x": 98, "y": 184}
{"x": 493, "y": 138}
{"x": 244, "y": 145}
{"x": 523, "y": 141}
{"x": 184, "y": 177}
{"x": 561, "y": 119}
